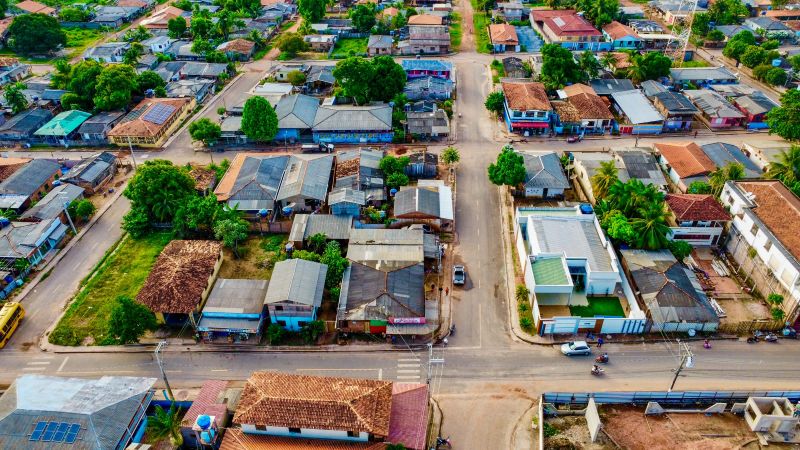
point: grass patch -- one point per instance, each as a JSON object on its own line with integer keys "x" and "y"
{"x": 481, "y": 23}
{"x": 258, "y": 256}
{"x": 79, "y": 39}
{"x": 599, "y": 306}
{"x": 349, "y": 47}
{"x": 262, "y": 53}
{"x": 286, "y": 25}
{"x": 455, "y": 31}
{"x": 695, "y": 63}
{"x": 498, "y": 71}
{"x": 122, "y": 273}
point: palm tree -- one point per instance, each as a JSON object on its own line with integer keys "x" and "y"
{"x": 166, "y": 424}
{"x": 604, "y": 178}
{"x": 651, "y": 228}
{"x": 787, "y": 166}
{"x": 636, "y": 71}
{"x": 730, "y": 172}
{"x": 609, "y": 60}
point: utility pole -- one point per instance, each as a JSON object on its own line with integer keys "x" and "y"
{"x": 66, "y": 211}
{"x": 133, "y": 158}
{"x": 159, "y": 347}
{"x": 687, "y": 360}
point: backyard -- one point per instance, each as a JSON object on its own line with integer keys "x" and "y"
{"x": 599, "y": 306}
{"x": 349, "y": 47}
{"x": 120, "y": 272}
{"x": 258, "y": 255}
{"x": 79, "y": 39}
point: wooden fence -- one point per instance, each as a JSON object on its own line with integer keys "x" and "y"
{"x": 749, "y": 326}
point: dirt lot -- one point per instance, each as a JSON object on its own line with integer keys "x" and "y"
{"x": 743, "y": 309}
{"x": 723, "y": 286}
{"x": 573, "y": 434}
{"x": 258, "y": 255}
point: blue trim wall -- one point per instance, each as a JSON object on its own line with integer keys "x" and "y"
{"x": 292, "y": 321}
{"x": 352, "y": 137}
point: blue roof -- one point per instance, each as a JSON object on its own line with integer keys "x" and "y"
{"x": 722, "y": 153}
{"x": 426, "y": 64}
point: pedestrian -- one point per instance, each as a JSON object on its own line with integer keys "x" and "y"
{"x": 445, "y": 342}
{"x": 447, "y": 291}
{"x": 695, "y": 133}
{"x": 599, "y": 342}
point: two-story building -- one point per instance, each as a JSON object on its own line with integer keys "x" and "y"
{"x": 622, "y": 37}
{"x": 295, "y": 292}
{"x": 581, "y": 112}
{"x": 527, "y": 107}
{"x": 697, "y": 219}
{"x": 568, "y": 29}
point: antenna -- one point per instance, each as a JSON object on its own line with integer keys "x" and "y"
{"x": 676, "y": 47}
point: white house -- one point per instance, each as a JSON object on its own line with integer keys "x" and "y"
{"x": 158, "y": 44}
{"x": 697, "y": 219}
{"x": 544, "y": 176}
{"x": 764, "y": 237}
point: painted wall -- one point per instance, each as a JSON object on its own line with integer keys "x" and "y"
{"x": 340, "y": 435}
{"x": 345, "y": 137}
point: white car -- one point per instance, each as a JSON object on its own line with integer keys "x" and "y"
{"x": 576, "y": 348}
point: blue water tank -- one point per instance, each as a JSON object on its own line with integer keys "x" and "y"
{"x": 203, "y": 421}
{"x": 586, "y": 209}
{"x": 287, "y": 210}
{"x": 393, "y": 192}
{"x": 4, "y": 222}
{"x": 57, "y": 183}
{"x": 19, "y": 282}
{"x": 776, "y": 62}
{"x": 263, "y": 213}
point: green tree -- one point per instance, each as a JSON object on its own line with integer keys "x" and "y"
{"x": 72, "y": 14}
{"x": 316, "y": 242}
{"x": 699, "y": 187}
{"x": 197, "y": 215}
{"x": 388, "y": 81}
{"x": 3, "y": 8}
{"x": 226, "y": 22}
{"x": 795, "y": 62}
{"x": 312, "y": 331}
{"x": 760, "y": 71}
{"x": 306, "y": 255}
{"x": 496, "y": 102}
{"x": 129, "y": 321}
{"x": 312, "y": 11}
{"x": 618, "y": 227}
{"x": 680, "y": 249}
{"x": 651, "y": 228}
{"x": 589, "y": 64}
{"x": 396, "y": 180}
{"x": 215, "y": 56}
{"x": 715, "y": 36}
{"x": 605, "y": 177}
{"x": 608, "y": 60}
{"x": 137, "y": 34}
{"x": 136, "y": 222}
{"x": 157, "y": 191}
{"x": 651, "y": 66}
{"x": 363, "y": 17}
{"x": 259, "y": 121}
{"x": 730, "y": 172}
{"x": 59, "y": 78}
{"x": 35, "y": 34}
{"x": 115, "y": 85}
{"x": 296, "y": 77}
{"x": 231, "y": 232}
{"x": 735, "y": 49}
{"x": 205, "y": 130}
{"x": 176, "y": 27}
{"x": 332, "y": 257}
{"x": 727, "y": 12}
{"x": 753, "y": 56}
{"x": 391, "y": 164}
{"x": 132, "y": 55}
{"x": 84, "y": 209}
{"x": 509, "y": 169}
{"x": 785, "y": 119}
{"x": 275, "y": 334}
{"x": 771, "y": 44}
{"x": 15, "y": 98}
{"x": 700, "y": 24}
{"x": 450, "y": 156}
{"x": 292, "y": 44}
{"x": 82, "y": 84}
{"x": 355, "y": 76}
{"x": 166, "y": 424}
{"x": 776, "y": 76}
{"x": 201, "y": 27}
{"x": 786, "y": 167}
{"x": 559, "y": 67}
{"x": 149, "y": 80}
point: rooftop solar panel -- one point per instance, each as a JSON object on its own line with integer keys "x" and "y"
{"x": 37, "y": 432}
{"x": 72, "y": 434}
{"x": 50, "y": 431}
{"x": 159, "y": 113}
{"x": 62, "y": 430}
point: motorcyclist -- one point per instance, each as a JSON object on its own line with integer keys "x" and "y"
{"x": 595, "y": 369}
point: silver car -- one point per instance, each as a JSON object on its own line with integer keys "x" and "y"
{"x": 576, "y": 348}
{"x": 459, "y": 275}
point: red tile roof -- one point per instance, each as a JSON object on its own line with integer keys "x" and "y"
{"x": 777, "y": 208}
{"x": 526, "y": 95}
{"x": 578, "y": 88}
{"x": 571, "y": 25}
{"x": 207, "y": 402}
{"x": 30, "y": 6}
{"x": 540, "y": 15}
{"x": 134, "y": 124}
{"x": 696, "y": 207}
{"x": 424, "y": 19}
{"x": 241, "y": 46}
{"x": 618, "y": 31}
{"x": 235, "y": 439}
{"x": 408, "y": 424}
{"x": 503, "y": 34}
{"x": 687, "y": 158}
{"x": 590, "y": 106}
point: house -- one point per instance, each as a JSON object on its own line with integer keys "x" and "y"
{"x": 430, "y": 201}
{"x": 674, "y": 11}
{"x": 503, "y": 37}
{"x": 389, "y": 249}
{"x": 252, "y": 182}
{"x": 417, "y": 68}
{"x": 569, "y": 29}
{"x": 109, "y": 52}
{"x": 334, "y": 227}
{"x": 669, "y": 292}
{"x": 20, "y": 128}
{"x": 151, "y": 122}
{"x": 629, "y": 13}
{"x": 212, "y": 401}
{"x": 684, "y": 163}
{"x": 784, "y": 14}
{"x": 526, "y": 107}
{"x": 769, "y": 27}
{"x": 92, "y": 173}
{"x": 320, "y": 42}
{"x": 638, "y": 114}
{"x": 512, "y": 11}
{"x": 426, "y": 40}
{"x": 238, "y": 49}
{"x": 755, "y": 108}
{"x": 4, "y": 24}
{"x": 643, "y": 26}
{"x": 11, "y": 70}
{"x": 10, "y": 165}
{"x": 424, "y": 19}
{"x": 515, "y": 68}
{"x": 567, "y": 264}
{"x": 233, "y": 308}
{"x": 582, "y": 113}
{"x": 295, "y": 292}
{"x": 763, "y": 237}
{"x": 296, "y": 114}
{"x": 273, "y": 92}
{"x": 732, "y": 30}
{"x": 160, "y": 19}
{"x": 353, "y": 124}
{"x": 63, "y": 128}
{"x": 428, "y": 124}
{"x": 678, "y": 111}
{"x": 304, "y": 186}
{"x": 210, "y": 71}
{"x": 114, "y": 16}
{"x": 157, "y": 44}
{"x": 697, "y": 219}
{"x": 195, "y": 88}
{"x": 30, "y": 242}
{"x": 346, "y": 201}
{"x": 630, "y": 163}
{"x": 319, "y": 80}
{"x": 544, "y": 176}
{"x": 182, "y": 51}
{"x": 380, "y": 44}
{"x": 31, "y": 7}
{"x": 180, "y": 281}
{"x": 722, "y": 154}
{"x": 429, "y": 88}
{"x": 94, "y": 130}
{"x": 53, "y": 205}
{"x": 716, "y": 112}
{"x": 701, "y": 76}
{"x": 622, "y": 37}
{"x": 28, "y": 184}
{"x": 422, "y": 106}
{"x": 641, "y": 164}
{"x": 762, "y": 152}
{"x": 358, "y": 169}
{"x": 607, "y": 86}
{"x": 42, "y": 412}
{"x": 269, "y": 19}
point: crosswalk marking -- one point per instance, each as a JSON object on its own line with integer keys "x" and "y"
{"x": 408, "y": 365}
{"x": 408, "y": 377}
{"x": 39, "y": 363}
{"x": 34, "y": 368}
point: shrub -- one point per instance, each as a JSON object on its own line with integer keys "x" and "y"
{"x": 275, "y": 334}
{"x": 526, "y": 323}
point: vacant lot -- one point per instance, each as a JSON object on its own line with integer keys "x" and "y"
{"x": 121, "y": 273}
{"x": 258, "y": 255}
{"x": 79, "y": 39}
{"x": 349, "y": 47}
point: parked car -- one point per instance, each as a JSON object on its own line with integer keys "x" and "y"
{"x": 459, "y": 275}
{"x": 576, "y": 348}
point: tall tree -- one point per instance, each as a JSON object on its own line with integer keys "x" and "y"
{"x": 158, "y": 190}
{"x": 785, "y": 119}
{"x": 196, "y": 216}
{"x": 15, "y": 98}
{"x": 129, "y": 321}
{"x": 137, "y": 34}
{"x": 312, "y": 11}
{"x": 730, "y": 172}
{"x": 389, "y": 79}
{"x": 509, "y": 169}
{"x": 201, "y": 27}
{"x": 115, "y": 85}
{"x": 332, "y": 257}
{"x": 727, "y": 12}
{"x": 176, "y": 27}
{"x": 132, "y": 55}
{"x": 559, "y": 67}
{"x": 205, "y": 130}
{"x": 35, "y": 34}
{"x": 651, "y": 66}
{"x": 163, "y": 425}
{"x": 149, "y": 80}
{"x": 589, "y": 64}
{"x": 259, "y": 121}
{"x": 355, "y": 76}
{"x": 495, "y": 102}
{"x": 786, "y": 166}
{"x": 231, "y": 232}
{"x": 82, "y": 85}
{"x": 363, "y": 17}
{"x": 651, "y": 228}
{"x": 292, "y": 44}
{"x": 605, "y": 177}
{"x": 450, "y": 156}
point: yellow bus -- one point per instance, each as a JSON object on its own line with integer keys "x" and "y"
{"x": 10, "y": 316}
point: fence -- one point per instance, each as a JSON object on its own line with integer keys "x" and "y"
{"x": 750, "y": 326}
{"x": 662, "y": 397}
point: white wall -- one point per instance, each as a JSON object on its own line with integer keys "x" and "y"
{"x": 710, "y": 231}
{"x": 306, "y": 433}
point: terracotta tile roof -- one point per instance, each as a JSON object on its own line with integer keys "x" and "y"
{"x": 409, "y": 420}
{"x": 578, "y": 88}
{"x": 503, "y": 33}
{"x": 235, "y": 439}
{"x": 11, "y": 165}
{"x": 207, "y": 402}
{"x": 777, "y": 208}
{"x": 132, "y": 3}
{"x": 390, "y": 12}
{"x": 179, "y": 276}
{"x": 426, "y": 19}
{"x": 566, "y": 111}
{"x": 4, "y": 24}
{"x": 571, "y": 25}
{"x": 526, "y": 95}
{"x": 203, "y": 178}
{"x": 686, "y": 158}
{"x": 539, "y": 15}
{"x": 160, "y": 18}
{"x": 618, "y": 31}
{"x": 696, "y": 207}
{"x": 30, "y": 6}
{"x": 7, "y": 61}
{"x": 591, "y": 106}
{"x": 325, "y": 403}
{"x": 134, "y": 123}
{"x": 242, "y": 46}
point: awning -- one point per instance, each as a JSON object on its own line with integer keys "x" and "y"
{"x": 530, "y": 125}
{"x": 58, "y": 233}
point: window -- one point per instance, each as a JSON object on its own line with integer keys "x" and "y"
{"x": 516, "y": 114}
{"x": 261, "y": 427}
{"x": 278, "y": 308}
{"x": 730, "y": 200}
{"x": 754, "y": 229}
{"x": 352, "y": 434}
{"x": 301, "y": 323}
{"x": 294, "y": 430}
{"x": 767, "y": 245}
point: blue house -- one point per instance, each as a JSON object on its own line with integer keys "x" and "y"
{"x": 295, "y": 292}
{"x": 638, "y": 115}
{"x": 234, "y": 307}
{"x": 416, "y": 68}
{"x": 296, "y": 115}
{"x": 347, "y": 201}
{"x": 527, "y": 108}
{"x": 350, "y": 124}
{"x": 622, "y": 37}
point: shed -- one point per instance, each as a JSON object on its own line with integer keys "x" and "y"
{"x": 93, "y": 172}
{"x": 334, "y": 227}
{"x": 233, "y": 307}
{"x": 346, "y": 201}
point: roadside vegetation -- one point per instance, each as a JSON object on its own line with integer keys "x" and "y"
{"x": 456, "y": 33}
{"x": 480, "y": 22}
{"x": 348, "y": 47}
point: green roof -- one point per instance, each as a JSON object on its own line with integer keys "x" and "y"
{"x": 63, "y": 124}
{"x": 550, "y": 272}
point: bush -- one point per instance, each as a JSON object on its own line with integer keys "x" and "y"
{"x": 522, "y": 293}
{"x": 775, "y": 76}
{"x": 275, "y": 334}
{"x": 526, "y": 323}
{"x": 64, "y": 335}
{"x": 523, "y": 306}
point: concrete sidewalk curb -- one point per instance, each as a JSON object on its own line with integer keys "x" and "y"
{"x": 196, "y": 348}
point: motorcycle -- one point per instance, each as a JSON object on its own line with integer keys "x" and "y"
{"x": 790, "y": 333}
{"x": 443, "y": 442}
{"x": 602, "y": 359}
{"x": 596, "y": 371}
{"x": 771, "y": 337}
{"x": 706, "y": 344}
{"x": 752, "y": 340}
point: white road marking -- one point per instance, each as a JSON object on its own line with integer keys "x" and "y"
{"x": 407, "y": 370}
{"x": 380, "y": 374}
{"x": 218, "y": 370}
{"x": 480, "y": 325}
{"x": 43, "y": 357}
{"x": 408, "y": 359}
{"x": 63, "y": 363}
{"x": 408, "y": 365}
{"x": 34, "y": 368}
{"x": 407, "y": 377}
{"x": 38, "y": 363}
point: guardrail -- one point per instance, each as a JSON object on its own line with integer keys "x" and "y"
{"x": 662, "y": 397}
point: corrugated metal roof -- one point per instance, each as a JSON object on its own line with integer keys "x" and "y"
{"x": 722, "y": 153}
{"x": 296, "y": 111}
{"x": 415, "y": 200}
{"x": 332, "y": 226}
{"x": 543, "y": 170}
{"x": 52, "y": 205}
{"x": 306, "y": 176}
{"x": 438, "y": 65}
{"x": 297, "y": 281}
{"x": 371, "y": 294}
{"x": 29, "y": 178}
{"x": 234, "y": 296}
{"x": 63, "y": 124}
{"x": 386, "y": 249}
{"x": 347, "y": 195}
{"x": 636, "y": 107}
{"x": 353, "y": 118}
{"x": 641, "y": 164}
{"x": 701, "y": 74}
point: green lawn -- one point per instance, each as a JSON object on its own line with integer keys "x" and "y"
{"x": 481, "y": 23}
{"x": 599, "y": 306}
{"x": 455, "y": 31}
{"x": 79, "y": 39}
{"x": 286, "y": 25}
{"x": 121, "y": 273}
{"x": 346, "y": 47}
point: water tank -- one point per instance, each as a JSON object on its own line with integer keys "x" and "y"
{"x": 203, "y": 421}
{"x": 287, "y": 210}
{"x": 263, "y": 213}
{"x": 57, "y": 183}
{"x": 4, "y": 222}
{"x": 19, "y": 282}
{"x": 776, "y": 62}
{"x": 586, "y": 209}
{"x": 393, "y": 192}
